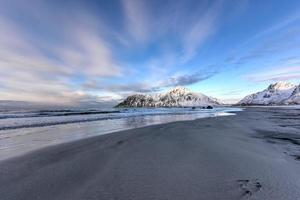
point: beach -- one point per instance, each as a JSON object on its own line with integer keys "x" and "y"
{"x": 254, "y": 154}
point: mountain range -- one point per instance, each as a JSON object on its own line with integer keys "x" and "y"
{"x": 280, "y": 93}
{"x": 177, "y": 97}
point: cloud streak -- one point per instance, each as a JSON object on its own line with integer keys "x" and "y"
{"x": 281, "y": 74}
{"x": 104, "y": 51}
{"x": 200, "y": 30}
{"x": 188, "y": 79}
{"x": 28, "y": 74}
{"x": 137, "y": 22}
{"x": 145, "y": 23}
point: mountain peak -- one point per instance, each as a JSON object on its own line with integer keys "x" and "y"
{"x": 281, "y": 85}
{"x": 179, "y": 90}
{"x": 276, "y": 94}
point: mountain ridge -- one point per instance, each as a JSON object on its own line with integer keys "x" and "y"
{"x": 279, "y": 93}
{"x": 176, "y": 97}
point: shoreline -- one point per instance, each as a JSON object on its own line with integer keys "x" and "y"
{"x": 37, "y": 121}
{"x": 232, "y": 157}
{"x": 19, "y": 141}
{"x": 71, "y": 142}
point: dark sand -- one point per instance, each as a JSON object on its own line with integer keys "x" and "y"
{"x": 253, "y": 155}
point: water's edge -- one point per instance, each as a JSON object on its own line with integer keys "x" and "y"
{"x": 17, "y": 141}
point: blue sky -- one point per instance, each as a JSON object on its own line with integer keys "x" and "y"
{"x": 73, "y": 51}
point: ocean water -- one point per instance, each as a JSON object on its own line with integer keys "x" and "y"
{"x": 25, "y": 130}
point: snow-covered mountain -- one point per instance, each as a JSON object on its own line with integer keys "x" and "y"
{"x": 177, "y": 97}
{"x": 276, "y": 94}
{"x": 295, "y": 97}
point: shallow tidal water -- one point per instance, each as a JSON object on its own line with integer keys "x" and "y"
{"x": 24, "y": 131}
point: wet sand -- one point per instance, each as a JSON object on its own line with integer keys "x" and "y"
{"x": 252, "y": 155}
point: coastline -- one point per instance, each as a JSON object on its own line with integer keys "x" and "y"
{"x": 232, "y": 157}
{"x": 18, "y": 141}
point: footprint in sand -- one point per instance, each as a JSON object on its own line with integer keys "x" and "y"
{"x": 249, "y": 186}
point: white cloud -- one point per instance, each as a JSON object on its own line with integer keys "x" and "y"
{"x": 187, "y": 79}
{"x": 83, "y": 49}
{"x": 137, "y": 19}
{"x": 90, "y": 56}
{"x": 28, "y": 73}
{"x": 203, "y": 27}
{"x": 145, "y": 23}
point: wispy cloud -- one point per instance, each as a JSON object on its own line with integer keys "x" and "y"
{"x": 147, "y": 86}
{"x": 90, "y": 55}
{"x": 294, "y": 17}
{"x": 122, "y": 88}
{"x": 277, "y": 74}
{"x": 188, "y": 79}
{"x": 203, "y": 27}
{"x": 27, "y": 73}
{"x": 137, "y": 20}
{"x": 145, "y": 23}
{"x": 104, "y": 52}
{"x": 279, "y": 38}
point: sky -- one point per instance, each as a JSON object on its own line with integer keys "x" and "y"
{"x": 65, "y": 52}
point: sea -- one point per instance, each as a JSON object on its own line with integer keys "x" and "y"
{"x": 27, "y": 129}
